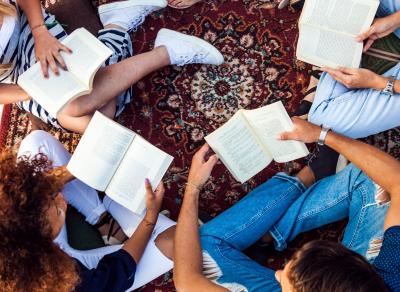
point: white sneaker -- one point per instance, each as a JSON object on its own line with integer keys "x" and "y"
{"x": 185, "y": 49}
{"x": 129, "y": 14}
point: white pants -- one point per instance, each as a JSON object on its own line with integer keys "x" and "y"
{"x": 86, "y": 201}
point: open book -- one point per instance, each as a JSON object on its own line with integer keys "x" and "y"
{"x": 115, "y": 160}
{"x": 56, "y": 91}
{"x": 248, "y": 143}
{"x": 328, "y": 30}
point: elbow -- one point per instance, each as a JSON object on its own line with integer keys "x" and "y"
{"x": 182, "y": 282}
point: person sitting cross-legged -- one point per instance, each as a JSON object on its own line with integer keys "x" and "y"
{"x": 29, "y": 34}
{"x": 285, "y": 206}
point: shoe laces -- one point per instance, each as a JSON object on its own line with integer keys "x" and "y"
{"x": 196, "y": 57}
{"x": 141, "y": 17}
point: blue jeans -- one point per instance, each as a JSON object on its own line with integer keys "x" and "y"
{"x": 285, "y": 208}
{"x": 361, "y": 112}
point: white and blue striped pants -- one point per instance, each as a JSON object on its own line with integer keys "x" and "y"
{"x": 118, "y": 41}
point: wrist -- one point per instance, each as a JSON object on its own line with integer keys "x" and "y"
{"x": 151, "y": 216}
{"x": 380, "y": 83}
{"x": 316, "y": 133}
{"x": 38, "y": 29}
{"x": 194, "y": 186}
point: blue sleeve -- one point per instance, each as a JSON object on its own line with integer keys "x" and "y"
{"x": 115, "y": 272}
{"x": 387, "y": 262}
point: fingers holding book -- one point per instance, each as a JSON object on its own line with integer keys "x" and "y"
{"x": 303, "y": 131}
{"x": 201, "y": 167}
{"x": 154, "y": 199}
{"x": 354, "y": 78}
{"x": 380, "y": 28}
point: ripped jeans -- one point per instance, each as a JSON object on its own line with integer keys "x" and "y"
{"x": 285, "y": 208}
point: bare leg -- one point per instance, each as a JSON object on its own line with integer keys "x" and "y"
{"x": 79, "y": 124}
{"x": 37, "y": 124}
{"x": 165, "y": 242}
{"x": 110, "y": 81}
{"x": 182, "y": 4}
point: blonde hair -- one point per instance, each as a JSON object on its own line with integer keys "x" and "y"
{"x": 6, "y": 9}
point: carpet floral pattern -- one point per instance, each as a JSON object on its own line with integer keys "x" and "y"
{"x": 175, "y": 108}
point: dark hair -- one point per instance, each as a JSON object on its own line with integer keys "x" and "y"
{"x": 329, "y": 266}
{"x": 29, "y": 260}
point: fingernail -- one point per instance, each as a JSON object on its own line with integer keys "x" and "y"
{"x": 147, "y": 181}
{"x": 279, "y": 137}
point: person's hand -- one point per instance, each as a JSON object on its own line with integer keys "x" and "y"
{"x": 153, "y": 200}
{"x": 357, "y": 78}
{"x": 47, "y": 51}
{"x": 200, "y": 170}
{"x": 380, "y": 28}
{"x": 303, "y": 131}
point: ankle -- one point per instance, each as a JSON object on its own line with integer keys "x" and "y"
{"x": 306, "y": 176}
{"x": 115, "y": 26}
{"x": 162, "y": 55}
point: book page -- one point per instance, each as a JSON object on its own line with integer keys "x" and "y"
{"x": 346, "y": 16}
{"x": 88, "y": 55}
{"x": 270, "y": 121}
{"x": 328, "y": 48}
{"x": 238, "y": 148}
{"x": 51, "y": 93}
{"x": 100, "y": 151}
{"x": 141, "y": 161}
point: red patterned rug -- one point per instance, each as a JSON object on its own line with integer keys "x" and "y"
{"x": 176, "y": 107}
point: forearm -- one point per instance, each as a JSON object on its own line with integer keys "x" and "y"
{"x": 378, "y": 165}
{"x": 137, "y": 243}
{"x": 12, "y": 93}
{"x": 188, "y": 268}
{"x": 187, "y": 248}
{"x": 33, "y": 12}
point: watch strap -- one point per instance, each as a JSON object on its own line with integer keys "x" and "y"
{"x": 322, "y": 135}
{"x": 389, "y": 89}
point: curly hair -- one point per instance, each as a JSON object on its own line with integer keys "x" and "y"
{"x": 29, "y": 260}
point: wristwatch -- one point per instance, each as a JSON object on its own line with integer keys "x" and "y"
{"x": 389, "y": 89}
{"x": 322, "y": 136}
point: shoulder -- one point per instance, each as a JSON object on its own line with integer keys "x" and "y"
{"x": 388, "y": 261}
{"x": 115, "y": 272}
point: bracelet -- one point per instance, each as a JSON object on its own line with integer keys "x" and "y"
{"x": 193, "y": 185}
{"x": 37, "y": 26}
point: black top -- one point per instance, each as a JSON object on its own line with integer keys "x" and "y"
{"x": 388, "y": 261}
{"x": 115, "y": 272}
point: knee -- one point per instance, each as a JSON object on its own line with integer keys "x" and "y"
{"x": 209, "y": 242}
{"x": 165, "y": 242}
{"x": 36, "y": 142}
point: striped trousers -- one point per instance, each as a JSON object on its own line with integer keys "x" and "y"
{"x": 118, "y": 41}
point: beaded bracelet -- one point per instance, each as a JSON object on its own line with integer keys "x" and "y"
{"x": 193, "y": 185}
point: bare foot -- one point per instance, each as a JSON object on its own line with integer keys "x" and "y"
{"x": 182, "y": 4}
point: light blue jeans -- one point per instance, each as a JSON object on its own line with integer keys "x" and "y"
{"x": 283, "y": 207}
{"x": 362, "y": 112}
